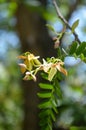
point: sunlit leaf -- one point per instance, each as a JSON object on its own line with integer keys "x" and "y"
{"x": 46, "y": 86}
{"x": 44, "y": 95}
{"x": 75, "y": 24}
{"x": 44, "y": 105}
{"x": 50, "y": 27}
{"x": 82, "y": 56}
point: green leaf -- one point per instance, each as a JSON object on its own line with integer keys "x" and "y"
{"x": 50, "y": 27}
{"x": 81, "y": 47}
{"x": 44, "y": 122}
{"x": 50, "y": 127}
{"x": 52, "y": 115}
{"x": 84, "y": 52}
{"x": 75, "y": 24}
{"x": 73, "y": 47}
{"x": 44, "y": 113}
{"x": 44, "y": 75}
{"x": 82, "y": 57}
{"x": 57, "y": 89}
{"x": 52, "y": 73}
{"x": 77, "y": 128}
{"x": 55, "y": 109}
{"x": 45, "y": 105}
{"x": 44, "y": 95}
{"x": 54, "y": 103}
{"x": 46, "y": 86}
{"x": 59, "y": 51}
{"x": 58, "y": 92}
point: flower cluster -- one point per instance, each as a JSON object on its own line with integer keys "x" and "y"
{"x": 31, "y": 65}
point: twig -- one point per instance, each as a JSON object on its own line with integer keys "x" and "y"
{"x": 64, "y": 20}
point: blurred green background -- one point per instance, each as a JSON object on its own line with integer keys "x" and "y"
{"x": 23, "y": 28}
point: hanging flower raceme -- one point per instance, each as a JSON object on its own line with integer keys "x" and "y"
{"x": 31, "y": 65}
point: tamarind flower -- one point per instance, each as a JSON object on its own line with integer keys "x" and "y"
{"x": 31, "y": 65}
{"x": 29, "y": 76}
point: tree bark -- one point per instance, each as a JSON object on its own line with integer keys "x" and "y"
{"x": 34, "y": 37}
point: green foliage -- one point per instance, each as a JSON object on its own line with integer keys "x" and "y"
{"x": 81, "y": 48}
{"x": 78, "y": 51}
{"x": 77, "y": 128}
{"x": 49, "y": 104}
{"x": 75, "y": 24}
{"x": 73, "y": 47}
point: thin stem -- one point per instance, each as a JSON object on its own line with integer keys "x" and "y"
{"x": 64, "y": 20}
